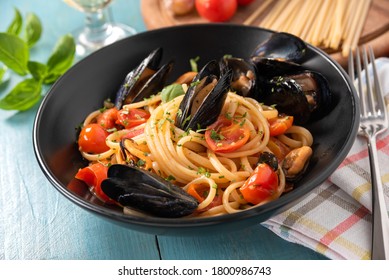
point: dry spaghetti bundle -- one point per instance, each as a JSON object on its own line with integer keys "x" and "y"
{"x": 329, "y": 24}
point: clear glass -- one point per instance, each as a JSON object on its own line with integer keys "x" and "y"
{"x": 99, "y": 29}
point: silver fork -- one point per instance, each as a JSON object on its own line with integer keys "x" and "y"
{"x": 373, "y": 121}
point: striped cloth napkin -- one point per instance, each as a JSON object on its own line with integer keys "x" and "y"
{"x": 335, "y": 218}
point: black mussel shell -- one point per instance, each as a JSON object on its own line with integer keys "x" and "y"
{"x": 137, "y": 78}
{"x": 155, "y": 83}
{"x": 270, "y": 67}
{"x": 270, "y": 159}
{"x": 282, "y": 46}
{"x": 244, "y": 78}
{"x": 204, "y": 99}
{"x": 305, "y": 95}
{"x": 147, "y": 192}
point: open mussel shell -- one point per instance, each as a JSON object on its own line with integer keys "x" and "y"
{"x": 304, "y": 95}
{"x": 281, "y": 54}
{"x": 282, "y": 46}
{"x": 137, "y": 78}
{"x": 204, "y": 99}
{"x": 155, "y": 83}
{"x": 244, "y": 78}
{"x": 142, "y": 190}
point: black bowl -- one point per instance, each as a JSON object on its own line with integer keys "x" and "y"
{"x": 88, "y": 83}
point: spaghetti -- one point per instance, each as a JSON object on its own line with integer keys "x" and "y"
{"x": 186, "y": 157}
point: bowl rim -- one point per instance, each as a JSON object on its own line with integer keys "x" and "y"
{"x": 187, "y": 222}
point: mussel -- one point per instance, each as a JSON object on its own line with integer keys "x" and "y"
{"x": 244, "y": 78}
{"x": 205, "y": 98}
{"x": 268, "y": 158}
{"x": 296, "y": 163}
{"x": 145, "y": 80}
{"x": 282, "y": 53}
{"x": 304, "y": 95}
{"x": 142, "y": 190}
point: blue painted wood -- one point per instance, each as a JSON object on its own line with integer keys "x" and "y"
{"x": 39, "y": 223}
{"x": 254, "y": 243}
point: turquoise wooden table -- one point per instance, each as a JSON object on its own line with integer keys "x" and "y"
{"x": 36, "y": 222}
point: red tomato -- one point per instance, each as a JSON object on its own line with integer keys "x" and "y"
{"x": 133, "y": 133}
{"x": 93, "y": 175}
{"x": 200, "y": 192}
{"x": 132, "y": 118}
{"x": 280, "y": 124}
{"x": 92, "y": 139}
{"x": 227, "y": 135}
{"x": 108, "y": 118}
{"x": 216, "y": 10}
{"x": 261, "y": 185}
{"x": 244, "y": 2}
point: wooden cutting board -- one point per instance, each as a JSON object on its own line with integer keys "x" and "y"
{"x": 375, "y": 31}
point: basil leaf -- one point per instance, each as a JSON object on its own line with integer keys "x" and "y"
{"x": 61, "y": 58}
{"x": 38, "y": 70}
{"x": 171, "y": 91}
{"x": 23, "y": 96}
{"x": 3, "y": 70}
{"x": 33, "y": 29}
{"x": 14, "y": 53}
{"x": 16, "y": 24}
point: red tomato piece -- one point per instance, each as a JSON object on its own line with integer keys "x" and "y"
{"x": 92, "y": 139}
{"x": 200, "y": 192}
{"x": 261, "y": 185}
{"x": 132, "y": 118}
{"x": 216, "y": 10}
{"x": 227, "y": 135}
{"x": 93, "y": 175}
{"x": 133, "y": 133}
{"x": 280, "y": 124}
{"x": 108, "y": 118}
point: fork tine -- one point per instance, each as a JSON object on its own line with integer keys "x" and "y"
{"x": 351, "y": 65}
{"x": 369, "y": 90}
{"x": 360, "y": 84}
{"x": 379, "y": 96}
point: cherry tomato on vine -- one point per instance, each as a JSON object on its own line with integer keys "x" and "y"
{"x": 227, "y": 135}
{"x": 261, "y": 185}
{"x": 93, "y": 175}
{"x": 132, "y": 117}
{"x": 92, "y": 139}
{"x": 280, "y": 124}
{"x": 216, "y": 10}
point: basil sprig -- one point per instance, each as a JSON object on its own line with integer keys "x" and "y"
{"x": 15, "y": 45}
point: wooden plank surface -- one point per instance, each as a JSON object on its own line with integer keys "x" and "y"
{"x": 375, "y": 31}
{"x": 255, "y": 243}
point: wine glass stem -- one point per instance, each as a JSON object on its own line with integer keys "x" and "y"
{"x": 98, "y": 26}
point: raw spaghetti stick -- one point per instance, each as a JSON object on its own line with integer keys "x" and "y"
{"x": 257, "y": 12}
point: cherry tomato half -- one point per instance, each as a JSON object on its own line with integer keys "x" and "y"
{"x": 132, "y": 118}
{"x": 280, "y": 124}
{"x": 108, "y": 118}
{"x": 261, "y": 185}
{"x": 216, "y": 10}
{"x": 92, "y": 139}
{"x": 93, "y": 175}
{"x": 227, "y": 135}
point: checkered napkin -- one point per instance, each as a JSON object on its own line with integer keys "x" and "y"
{"x": 335, "y": 218}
